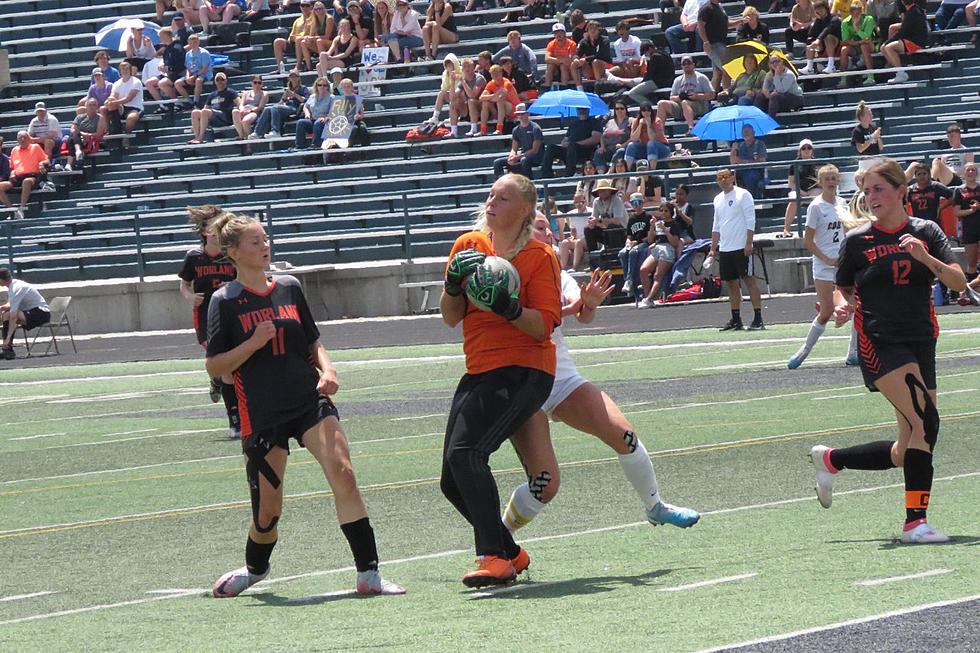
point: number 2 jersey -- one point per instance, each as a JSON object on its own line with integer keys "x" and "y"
{"x": 893, "y": 291}
{"x": 278, "y": 382}
{"x": 206, "y": 274}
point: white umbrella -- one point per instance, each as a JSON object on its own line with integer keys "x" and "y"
{"x": 116, "y": 35}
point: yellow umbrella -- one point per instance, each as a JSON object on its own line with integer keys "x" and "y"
{"x": 734, "y": 55}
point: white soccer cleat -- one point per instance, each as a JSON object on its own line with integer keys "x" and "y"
{"x": 371, "y": 583}
{"x": 235, "y": 582}
{"x": 825, "y": 477}
{"x": 922, "y": 533}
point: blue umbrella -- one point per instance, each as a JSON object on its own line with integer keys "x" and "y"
{"x": 116, "y": 35}
{"x": 725, "y": 123}
{"x": 567, "y": 103}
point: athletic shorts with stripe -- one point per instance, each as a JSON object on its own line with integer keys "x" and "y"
{"x": 879, "y": 358}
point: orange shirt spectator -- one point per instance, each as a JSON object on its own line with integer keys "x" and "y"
{"x": 556, "y": 49}
{"x": 27, "y": 160}
{"x": 509, "y": 89}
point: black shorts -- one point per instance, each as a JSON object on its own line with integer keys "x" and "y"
{"x": 971, "y": 230}
{"x": 35, "y": 318}
{"x": 19, "y": 181}
{"x": 280, "y": 434}
{"x": 733, "y": 265}
{"x": 879, "y": 358}
{"x": 955, "y": 181}
{"x": 219, "y": 119}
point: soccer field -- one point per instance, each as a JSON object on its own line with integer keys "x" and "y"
{"x": 122, "y": 500}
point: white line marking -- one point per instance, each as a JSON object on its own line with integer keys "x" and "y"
{"x": 21, "y": 597}
{"x": 117, "y": 470}
{"x": 708, "y": 583}
{"x": 173, "y": 591}
{"x": 842, "y": 624}
{"x": 895, "y": 579}
{"x": 122, "y": 413}
{"x": 853, "y": 396}
{"x": 28, "y": 400}
{"x": 140, "y": 437}
{"x": 91, "y": 399}
{"x": 405, "y": 419}
{"x": 109, "y": 435}
{"x": 445, "y": 554}
{"x": 517, "y": 588}
{"x": 956, "y": 392}
{"x": 86, "y": 379}
{"x": 35, "y": 437}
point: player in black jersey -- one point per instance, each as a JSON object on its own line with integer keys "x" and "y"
{"x": 885, "y": 270}
{"x": 927, "y": 197}
{"x": 966, "y": 200}
{"x": 205, "y": 270}
{"x": 261, "y": 331}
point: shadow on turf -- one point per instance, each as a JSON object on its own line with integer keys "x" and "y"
{"x": 269, "y": 598}
{"x": 895, "y": 543}
{"x": 570, "y": 587}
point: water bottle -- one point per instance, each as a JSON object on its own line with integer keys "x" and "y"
{"x": 938, "y": 296}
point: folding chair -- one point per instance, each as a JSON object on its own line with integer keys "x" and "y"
{"x": 59, "y": 320}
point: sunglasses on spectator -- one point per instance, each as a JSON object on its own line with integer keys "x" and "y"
{"x": 321, "y": 84}
{"x": 256, "y": 81}
{"x": 724, "y": 176}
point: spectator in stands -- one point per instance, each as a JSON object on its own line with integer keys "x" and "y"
{"x": 406, "y": 32}
{"x": 579, "y": 23}
{"x": 806, "y": 186}
{"x": 608, "y": 212}
{"x": 948, "y": 168}
{"x": 558, "y": 56}
{"x": 885, "y": 13}
{"x": 98, "y": 90}
{"x": 911, "y": 36}
{"x": 615, "y": 135}
{"x": 665, "y": 232}
{"x": 658, "y": 73}
{"x": 750, "y": 150}
{"x": 382, "y": 23}
{"x": 303, "y": 26}
{"x": 85, "y": 134}
{"x": 650, "y": 186}
{"x": 592, "y": 56}
{"x": 752, "y": 28}
{"x": 179, "y": 29}
{"x": 484, "y": 62}
{"x": 315, "y": 116}
{"x": 927, "y": 197}
{"x": 171, "y": 54}
{"x": 216, "y": 111}
{"x": 684, "y": 36}
{"x": 343, "y": 51}
{"x": 466, "y": 101}
{"x": 498, "y": 99}
{"x": 690, "y": 96}
{"x": 747, "y": 85}
{"x": 865, "y": 137}
{"x": 44, "y": 128}
{"x": 439, "y": 28}
{"x": 780, "y": 89}
{"x": 732, "y": 233}
{"x": 362, "y": 26}
{"x": 627, "y": 57}
{"x": 25, "y": 307}
{"x": 857, "y": 35}
{"x": 966, "y": 206}
{"x": 271, "y": 120}
{"x": 336, "y": 76}
{"x": 525, "y": 88}
{"x": 571, "y": 249}
{"x": 351, "y": 106}
{"x": 162, "y": 7}
{"x": 139, "y": 50}
{"x": 684, "y": 213}
{"x": 257, "y": 10}
{"x": 824, "y": 38}
{"x": 190, "y": 10}
{"x": 251, "y": 103}
{"x": 523, "y": 56}
{"x": 28, "y": 164}
{"x": 972, "y": 11}
{"x": 713, "y": 26}
{"x": 223, "y": 10}
{"x": 624, "y": 185}
{"x": 647, "y": 139}
{"x": 800, "y": 19}
{"x": 451, "y": 76}
{"x": 585, "y": 185}
{"x": 124, "y": 107}
{"x": 336, "y": 13}
{"x": 102, "y": 61}
{"x": 581, "y": 138}
{"x": 950, "y": 14}
{"x": 317, "y": 38}
{"x": 526, "y": 149}
{"x": 638, "y": 241}
{"x": 197, "y": 71}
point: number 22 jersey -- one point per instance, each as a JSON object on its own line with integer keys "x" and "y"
{"x": 278, "y": 382}
{"x": 893, "y": 291}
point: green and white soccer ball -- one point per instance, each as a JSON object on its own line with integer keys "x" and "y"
{"x": 482, "y": 287}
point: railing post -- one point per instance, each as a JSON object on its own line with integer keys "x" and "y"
{"x": 408, "y": 228}
{"x": 9, "y": 228}
{"x": 140, "y": 271}
{"x": 268, "y": 231}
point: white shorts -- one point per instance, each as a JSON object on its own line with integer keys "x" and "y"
{"x": 822, "y": 271}
{"x": 567, "y": 380}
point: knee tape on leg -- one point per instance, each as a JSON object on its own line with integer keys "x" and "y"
{"x": 631, "y": 440}
{"x": 538, "y": 484}
{"x": 256, "y": 465}
{"x": 926, "y": 411}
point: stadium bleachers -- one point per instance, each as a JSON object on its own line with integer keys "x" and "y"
{"x": 359, "y": 204}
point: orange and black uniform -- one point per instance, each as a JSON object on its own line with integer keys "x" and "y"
{"x": 206, "y": 274}
{"x": 508, "y": 377}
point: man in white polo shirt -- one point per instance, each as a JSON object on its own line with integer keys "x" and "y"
{"x": 24, "y": 307}
{"x": 731, "y": 244}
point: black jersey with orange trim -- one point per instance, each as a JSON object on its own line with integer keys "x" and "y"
{"x": 277, "y": 382}
{"x": 924, "y": 202}
{"x": 893, "y": 290}
{"x": 206, "y": 274}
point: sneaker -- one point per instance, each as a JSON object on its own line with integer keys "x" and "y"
{"x": 273, "y": 134}
{"x": 798, "y": 358}
{"x": 973, "y": 296}
{"x": 628, "y": 287}
{"x": 58, "y": 167}
{"x": 490, "y": 570}
{"x": 235, "y": 582}
{"x": 281, "y": 68}
{"x": 253, "y": 136}
{"x": 757, "y": 325}
{"x": 69, "y": 168}
{"x": 499, "y": 130}
{"x": 372, "y": 584}
{"x": 852, "y": 360}
{"x": 47, "y": 185}
{"x": 664, "y": 513}
{"x": 162, "y": 109}
{"x": 732, "y": 325}
{"x": 214, "y": 391}
{"x": 234, "y": 434}
{"x": 842, "y": 83}
{"x": 19, "y": 214}
{"x": 8, "y": 353}
{"x": 521, "y": 561}
{"x": 900, "y": 78}
{"x": 807, "y": 69}
{"x": 920, "y": 532}
{"x": 830, "y": 68}
{"x": 79, "y": 155}
{"x": 646, "y": 302}
{"x": 820, "y": 456}
{"x": 869, "y": 80}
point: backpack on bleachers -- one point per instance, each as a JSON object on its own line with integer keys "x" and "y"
{"x": 426, "y": 131}
{"x": 236, "y": 34}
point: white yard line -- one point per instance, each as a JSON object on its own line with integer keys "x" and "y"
{"x": 414, "y": 417}
{"x": 874, "y": 582}
{"x": 708, "y": 583}
{"x": 169, "y": 434}
{"x": 35, "y": 437}
{"x": 21, "y": 597}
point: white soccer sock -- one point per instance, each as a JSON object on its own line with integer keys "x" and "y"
{"x": 521, "y": 509}
{"x": 830, "y": 61}
{"x": 435, "y": 115}
{"x": 852, "y": 348}
{"x": 816, "y": 330}
{"x": 452, "y": 129}
{"x": 639, "y": 471}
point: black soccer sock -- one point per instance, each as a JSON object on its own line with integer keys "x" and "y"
{"x": 918, "y": 483}
{"x": 870, "y": 455}
{"x": 736, "y": 315}
{"x": 758, "y": 314}
{"x": 230, "y": 399}
{"x": 360, "y": 537}
{"x": 257, "y": 556}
